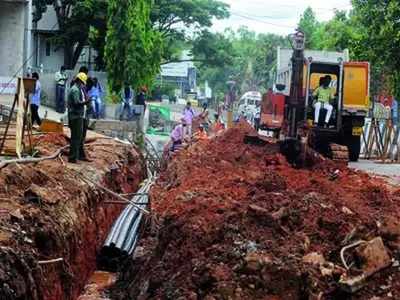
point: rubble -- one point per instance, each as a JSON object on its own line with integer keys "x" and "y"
{"x": 236, "y": 221}
{"x": 53, "y": 222}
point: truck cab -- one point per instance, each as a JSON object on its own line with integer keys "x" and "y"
{"x": 350, "y": 86}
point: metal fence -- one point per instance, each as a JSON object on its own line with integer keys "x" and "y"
{"x": 381, "y": 140}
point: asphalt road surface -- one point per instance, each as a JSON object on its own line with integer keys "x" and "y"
{"x": 389, "y": 171}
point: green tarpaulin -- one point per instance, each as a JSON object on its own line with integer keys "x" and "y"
{"x": 159, "y": 120}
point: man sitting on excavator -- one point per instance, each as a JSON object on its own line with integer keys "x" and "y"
{"x": 323, "y": 95}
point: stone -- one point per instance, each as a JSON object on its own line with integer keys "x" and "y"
{"x": 373, "y": 256}
{"x": 314, "y": 258}
{"x": 17, "y": 214}
{"x": 390, "y": 228}
{"x": 347, "y": 211}
{"x": 255, "y": 261}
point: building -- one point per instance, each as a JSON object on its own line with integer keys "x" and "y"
{"x": 48, "y": 58}
{"x": 15, "y": 43}
{"x": 181, "y": 74}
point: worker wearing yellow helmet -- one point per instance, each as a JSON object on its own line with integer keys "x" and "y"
{"x": 76, "y": 115}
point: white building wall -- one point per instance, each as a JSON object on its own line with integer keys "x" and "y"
{"x": 12, "y": 36}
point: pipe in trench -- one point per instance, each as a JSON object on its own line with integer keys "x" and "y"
{"x": 123, "y": 236}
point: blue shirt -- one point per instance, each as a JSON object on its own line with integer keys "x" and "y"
{"x": 95, "y": 91}
{"x": 36, "y": 95}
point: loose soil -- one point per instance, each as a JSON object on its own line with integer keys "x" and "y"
{"x": 238, "y": 222}
{"x": 48, "y": 211}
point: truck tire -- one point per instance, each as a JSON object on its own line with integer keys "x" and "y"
{"x": 354, "y": 146}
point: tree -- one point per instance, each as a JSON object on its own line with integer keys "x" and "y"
{"x": 75, "y": 20}
{"x": 133, "y": 48}
{"x": 380, "y": 42}
{"x": 308, "y": 24}
{"x": 173, "y": 19}
{"x": 252, "y": 61}
{"x": 83, "y": 23}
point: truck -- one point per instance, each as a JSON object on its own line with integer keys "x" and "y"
{"x": 287, "y": 109}
{"x": 248, "y": 104}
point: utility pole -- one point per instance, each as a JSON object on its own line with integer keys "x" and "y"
{"x": 231, "y": 97}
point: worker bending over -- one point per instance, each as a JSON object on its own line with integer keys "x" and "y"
{"x": 178, "y": 135}
{"x": 323, "y": 95}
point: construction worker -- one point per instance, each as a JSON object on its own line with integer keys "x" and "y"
{"x": 141, "y": 97}
{"x": 200, "y": 134}
{"x": 35, "y": 100}
{"x": 76, "y": 114}
{"x": 127, "y": 96}
{"x": 257, "y": 116}
{"x": 61, "y": 79}
{"x": 323, "y": 95}
{"x": 218, "y": 125}
{"x": 178, "y": 135}
{"x": 95, "y": 92}
{"x": 188, "y": 115}
{"x": 88, "y": 113}
{"x": 204, "y": 119}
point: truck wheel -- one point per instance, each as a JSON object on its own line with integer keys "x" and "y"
{"x": 354, "y": 146}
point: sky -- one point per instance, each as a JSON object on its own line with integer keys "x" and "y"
{"x": 275, "y": 16}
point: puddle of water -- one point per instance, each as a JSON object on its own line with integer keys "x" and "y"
{"x": 97, "y": 284}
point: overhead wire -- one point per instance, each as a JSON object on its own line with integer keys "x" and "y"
{"x": 262, "y": 21}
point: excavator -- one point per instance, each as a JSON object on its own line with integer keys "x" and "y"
{"x": 288, "y": 110}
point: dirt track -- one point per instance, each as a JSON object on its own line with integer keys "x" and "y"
{"x": 239, "y": 223}
{"x": 47, "y": 211}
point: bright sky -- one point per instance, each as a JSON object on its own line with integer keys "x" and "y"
{"x": 276, "y": 16}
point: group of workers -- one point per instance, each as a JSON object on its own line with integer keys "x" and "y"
{"x": 93, "y": 88}
{"x": 183, "y": 132}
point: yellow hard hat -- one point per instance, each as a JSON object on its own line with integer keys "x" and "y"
{"x": 82, "y": 77}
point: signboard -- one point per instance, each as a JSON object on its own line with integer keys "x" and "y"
{"x": 8, "y": 85}
{"x": 159, "y": 120}
{"x": 175, "y": 69}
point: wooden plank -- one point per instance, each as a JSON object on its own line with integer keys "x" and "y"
{"x": 20, "y": 119}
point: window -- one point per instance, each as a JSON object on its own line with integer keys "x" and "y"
{"x": 251, "y": 102}
{"x": 48, "y": 48}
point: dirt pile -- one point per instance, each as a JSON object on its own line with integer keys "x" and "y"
{"x": 237, "y": 222}
{"x": 53, "y": 220}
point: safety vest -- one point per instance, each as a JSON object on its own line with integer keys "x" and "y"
{"x": 323, "y": 94}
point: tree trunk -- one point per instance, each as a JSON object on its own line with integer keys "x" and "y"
{"x": 68, "y": 54}
{"x": 77, "y": 54}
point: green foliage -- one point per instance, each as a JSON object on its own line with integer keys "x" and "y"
{"x": 212, "y": 49}
{"x": 371, "y": 33}
{"x": 75, "y": 20}
{"x": 308, "y": 24}
{"x": 381, "y": 40}
{"x": 250, "y": 61}
{"x": 133, "y": 49}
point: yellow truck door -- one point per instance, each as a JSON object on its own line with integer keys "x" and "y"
{"x": 356, "y": 86}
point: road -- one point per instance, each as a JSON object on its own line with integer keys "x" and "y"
{"x": 389, "y": 171}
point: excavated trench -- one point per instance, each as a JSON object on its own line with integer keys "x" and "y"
{"x": 54, "y": 217}
{"x": 236, "y": 221}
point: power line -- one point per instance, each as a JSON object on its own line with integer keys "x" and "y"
{"x": 262, "y": 21}
{"x": 233, "y": 12}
